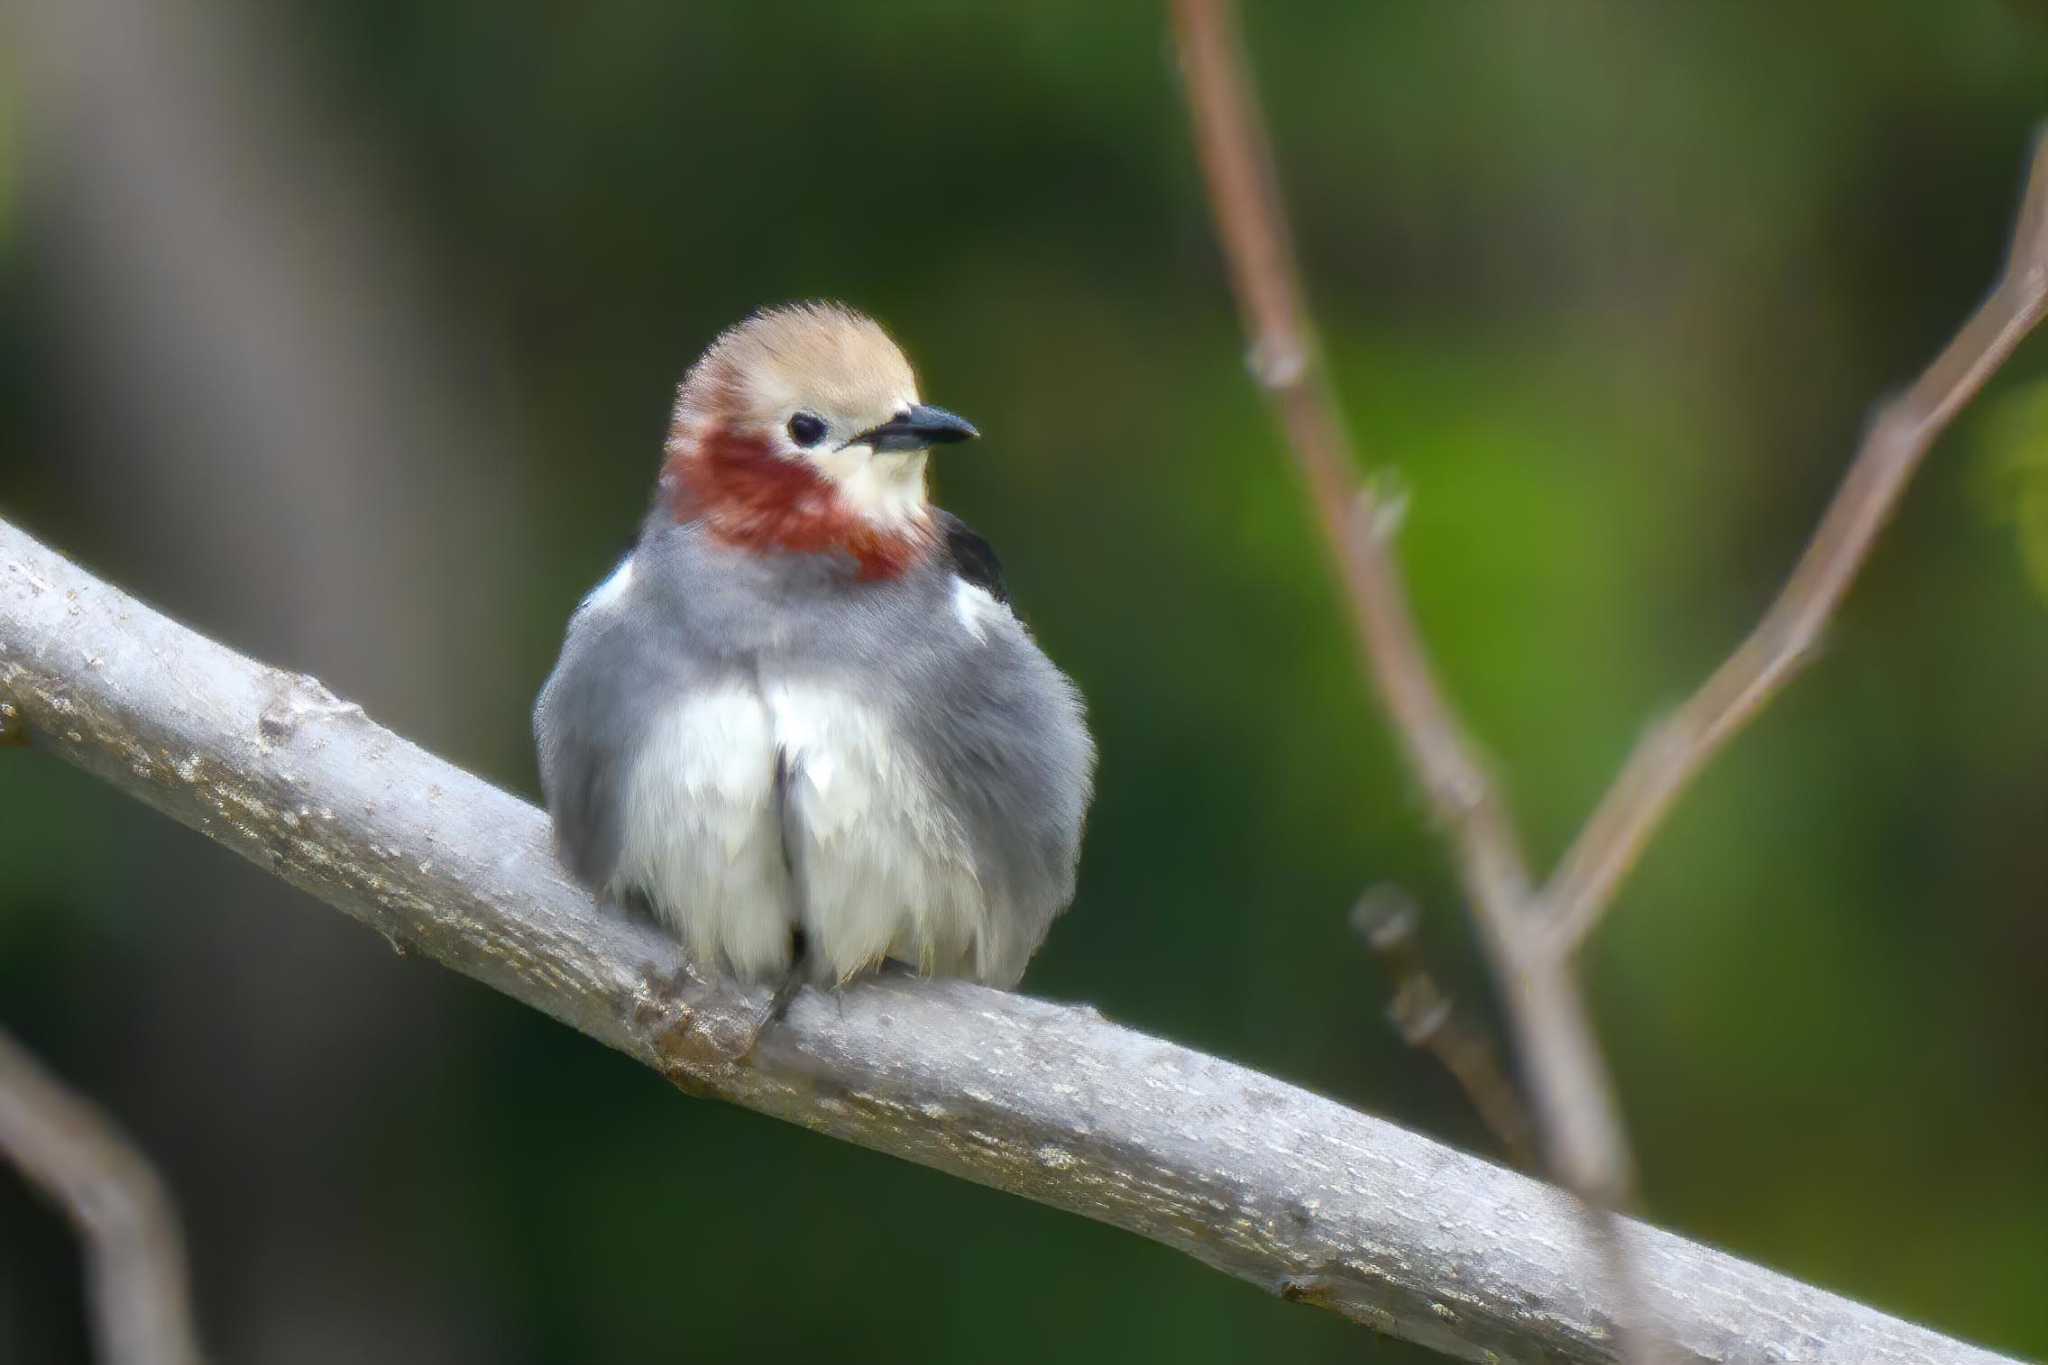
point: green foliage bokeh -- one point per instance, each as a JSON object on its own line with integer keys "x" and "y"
{"x": 1608, "y": 287}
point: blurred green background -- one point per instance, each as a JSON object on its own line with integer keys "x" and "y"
{"x": 345, "y": 330}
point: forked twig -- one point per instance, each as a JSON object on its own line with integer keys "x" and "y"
{"x": 1531, "y": 938}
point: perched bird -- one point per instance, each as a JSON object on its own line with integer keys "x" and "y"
{"x": 800, "y": 722}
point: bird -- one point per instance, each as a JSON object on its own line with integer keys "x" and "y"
{"x": 801, "y": 722}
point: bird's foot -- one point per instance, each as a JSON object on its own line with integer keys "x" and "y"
{"x": 777, "y": 1008}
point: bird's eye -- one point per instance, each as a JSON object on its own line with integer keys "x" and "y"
{"x": 806, "y": 430}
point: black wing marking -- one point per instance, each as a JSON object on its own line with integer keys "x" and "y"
{"x": 974, "y": 559}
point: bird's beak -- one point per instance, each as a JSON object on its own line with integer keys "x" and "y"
{"x": 917, "y": 428}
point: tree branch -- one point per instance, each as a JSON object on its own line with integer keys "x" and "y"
{"x": 135, "y": 1258}
{"x": 1256, "y": 1178}
{"x": 1675, "y": 751}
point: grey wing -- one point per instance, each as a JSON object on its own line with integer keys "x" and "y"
{"x": 583, "y": 728}
{"x": 1006, "y": 732}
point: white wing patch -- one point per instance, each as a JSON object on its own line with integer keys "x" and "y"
{"x": 607, "y": 595}
{"x": 882, "y": 867}
{"x": 975, "y": 607}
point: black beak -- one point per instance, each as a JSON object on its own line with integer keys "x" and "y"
{"x": 917, "y": 428}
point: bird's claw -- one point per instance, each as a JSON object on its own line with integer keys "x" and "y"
{"x": 776, "y": 1010}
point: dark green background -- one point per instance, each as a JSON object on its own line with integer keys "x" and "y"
{"x": 1607, "y": 287}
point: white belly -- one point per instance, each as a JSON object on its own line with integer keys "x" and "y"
{"x": 868, "y": 860}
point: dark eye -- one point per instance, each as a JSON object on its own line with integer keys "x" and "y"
{"x": 806, "y": 430}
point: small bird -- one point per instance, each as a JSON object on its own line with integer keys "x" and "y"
{"x": 799, "y": 722}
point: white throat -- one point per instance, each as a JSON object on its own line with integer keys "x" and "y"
{"x": 886, "y": 489}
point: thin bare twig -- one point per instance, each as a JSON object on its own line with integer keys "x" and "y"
{"x": 1427, "y": 1018}
{"x": 1675, "y": 751}
{"x": 1569, "y": 1087}
{"x": 1286, "y": 361}
{"x": 135, "y": 1258}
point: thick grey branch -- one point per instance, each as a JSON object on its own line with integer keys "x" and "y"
{"x": 134, "y": 1255}
{"x": 1266, "y": 1182}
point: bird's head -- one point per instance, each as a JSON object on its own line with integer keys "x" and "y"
{"x": 801, "y": 430}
